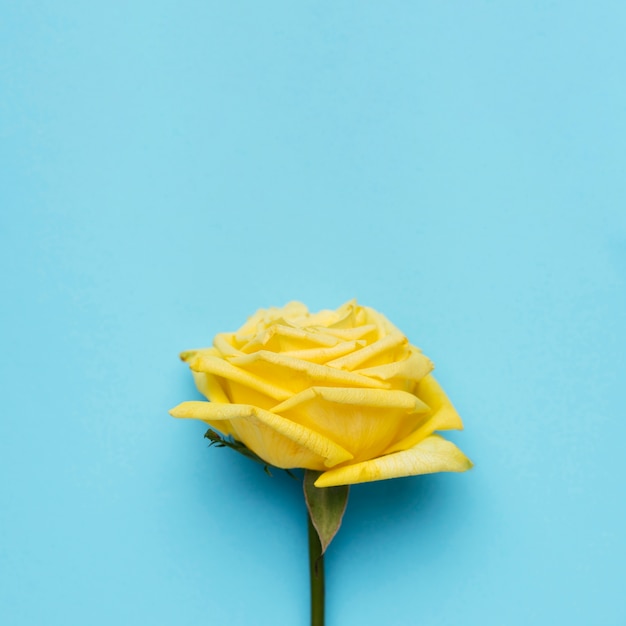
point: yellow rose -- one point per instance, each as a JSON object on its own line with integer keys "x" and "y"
{"x": 342, "y": 392}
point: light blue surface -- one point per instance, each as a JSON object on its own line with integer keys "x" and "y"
{"x": 168, "y": 167}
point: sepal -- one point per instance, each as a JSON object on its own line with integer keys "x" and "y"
{"x": 326, "y": 507}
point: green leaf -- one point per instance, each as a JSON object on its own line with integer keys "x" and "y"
{"x": 326, "y": 507}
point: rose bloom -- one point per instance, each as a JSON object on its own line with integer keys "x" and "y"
{"x": 342, "y": 392}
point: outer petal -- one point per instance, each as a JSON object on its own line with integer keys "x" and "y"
{"x": 275, "y": 439}
{"x": 209, "y": 386}
{"x": 363, "y": 421}
{"x": 431, "y": 392}
{"x": 444, "y": 416}
{"x": 433, "y": 454}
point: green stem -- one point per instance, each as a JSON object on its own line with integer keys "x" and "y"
{"x": 316, "y": 572}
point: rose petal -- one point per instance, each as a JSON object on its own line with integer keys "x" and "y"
{"x": 348, "y": 334}
{"x": 385, "y": 327}
{"x": 264, "y": 317}
{"x": 188, "y": 355}
{"x": 389, "y": 344}
{"x": 433, "y": 454}
{"x": 323, "y": 355}
{"x": 275, "y": 439}
{"x": 431, "y": 392}
{"x": 363, "y": 421}
{"x": 210, "y": 387}
{"x": 444, "y": 416}
{"x": 220, "y": 367}
{"x": 404, "y": 373}
{"x": 348, "y": 315}
{"x": 225, "y": 343}
{"x": 325, "y": 318}
{"x": 299, "y": 374}
{"x": 279, "y": 338}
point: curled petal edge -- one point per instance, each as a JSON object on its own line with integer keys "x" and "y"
{"x": 331, "y": 452}
{"x": 324, "y": 354}
{"x": 219, "y": 367}
{"x": 384, "y": 399}
{"x": 313, "y": 371}
{"x": 353, "y": 360}
{"x": 433, "y": 454}
{"x": 414, "y": 368}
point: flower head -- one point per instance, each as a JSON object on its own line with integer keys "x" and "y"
{"x": 342, "y": 392}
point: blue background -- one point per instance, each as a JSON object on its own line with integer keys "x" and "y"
{"x": 166, "y": 168}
